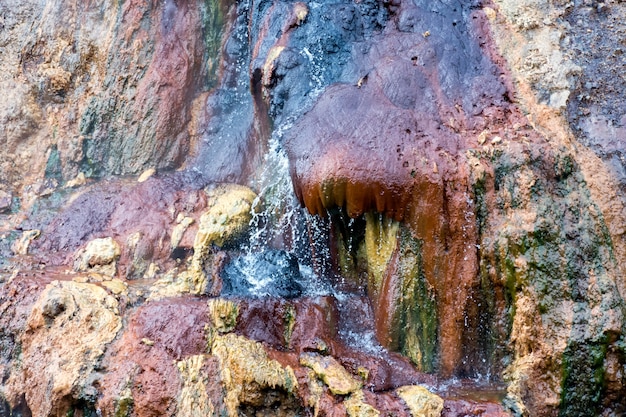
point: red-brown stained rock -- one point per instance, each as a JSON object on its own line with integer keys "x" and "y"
{"x": 396, "y": 143}
{"x": 16, "y": 301}
{"x": 388, "y": 403}
{"x": 455, "y": 408}
{"x": 119, "y": 209}
{"x": 316, "y": 327}
{"x": 157, "y": 335}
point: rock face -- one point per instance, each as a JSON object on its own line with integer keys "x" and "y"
{"x": 87, "y": 105}
{"x": 462, "y": 168}
{"x": 67, "y": 330}
{"x": 420, "y": 401}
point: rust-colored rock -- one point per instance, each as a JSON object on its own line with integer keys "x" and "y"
{"x": 141, "y": 364}
{"x": 402, "y": 151}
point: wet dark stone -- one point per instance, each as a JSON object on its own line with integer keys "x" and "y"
{"x": 20, "y": 411}
{"x": 271, "y": 273}
{"x": 6, "y": 200}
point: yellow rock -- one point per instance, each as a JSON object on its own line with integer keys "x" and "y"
{"x": 227, "y": 217}
{"x": 268, "y": 67}
{"x": 81, "y": 279}
{"x": 171, "y": 284}
{"x": 380, "y": 242}
{"x": 146, "y": 174}
{"x": 147, "y": 341}
{"x": 223, "y": 314}
{"x": 152, "y": 271}
{"x": 20, "y": 247}
{"x": 179, "y": 231}
{"x": 335, "y": 376}
{"x": 76, "y": 182}
{"x": 357, "y": 407}
{"x": 420, "y": 401}
{"x": 116, "y": 286}
{"x": 67, "y": 330}
{"x": 193, "y": 400}
{"x": 244, "y": 364}
{"x": 316, "y": 390}
{"x": 100, "y": 255}
{"x": 301, "y": 11}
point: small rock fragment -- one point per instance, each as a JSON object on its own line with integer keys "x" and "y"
{"x": 100, "y": 255}
{"x": 301, "y": 11}
{"x": 146, "y": 174}
{"x": 76, "y": 182}
{"x": 5, "y": 201}
{"x": 116, "y": 286}
{"x": 179, "y": 231}
{"x": 20, "y": 246}
{"x": 335, "y": 376}
{"x": 421, "y": 402}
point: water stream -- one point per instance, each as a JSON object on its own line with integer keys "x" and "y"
{"x": 287, "y": 253}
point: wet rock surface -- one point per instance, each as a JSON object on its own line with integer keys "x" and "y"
{"x": 462, "y": 163}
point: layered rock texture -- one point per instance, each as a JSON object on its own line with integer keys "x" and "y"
{"x": 460, "y": 248}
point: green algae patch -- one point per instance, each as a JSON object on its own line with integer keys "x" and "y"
{"x": 351, "y": 256}
{"x": 583, "y": 378}
{"x": 418, "y": 337}
{"x": 289, "y": 318}
{"x": 212, "y": 20}
{"x": 556, "y": 268}
{"x": 54, "y": 169}
{"x": 124, "y": 403}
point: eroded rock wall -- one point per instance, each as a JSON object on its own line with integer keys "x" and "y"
{"x": 466, "y": 158}
{"x": 99, "y": 88}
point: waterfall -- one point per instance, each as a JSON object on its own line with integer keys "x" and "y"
{"x": 282, "y": 236}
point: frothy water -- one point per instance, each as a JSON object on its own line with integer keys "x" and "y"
{"x": 267, "y": 273}
{"x": 280, "y": 225}
{"x": 363, "y": 340}
{"x": 277, "y": 259}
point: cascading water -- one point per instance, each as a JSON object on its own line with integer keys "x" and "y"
{"x": 276, "y": 259}
{"x": 287, "y": 252}
{"x": 277, "y": 248}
